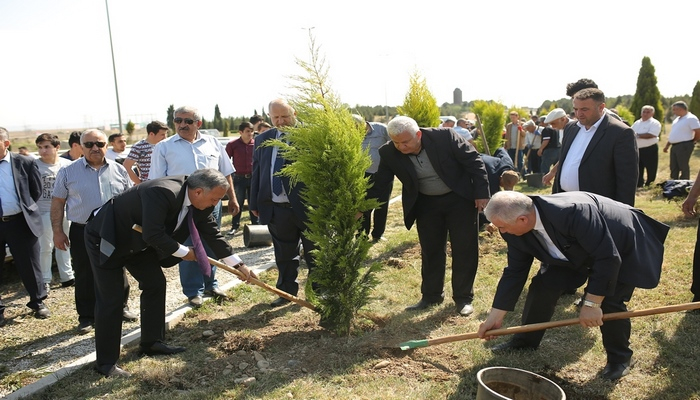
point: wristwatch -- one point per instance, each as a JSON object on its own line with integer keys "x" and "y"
{"x": 588, "y": 303}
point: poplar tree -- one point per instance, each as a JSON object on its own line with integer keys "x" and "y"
{"x": 326, "y": 153}
{"x": 647, "y": 92}
{"x": 694, "y": 106}
{"x": 493, "y": 119}
{"x": 171, "y": 117}
{"x": 420, "y": 104}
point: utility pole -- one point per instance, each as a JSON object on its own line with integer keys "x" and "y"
{"x": 114, "y": 69}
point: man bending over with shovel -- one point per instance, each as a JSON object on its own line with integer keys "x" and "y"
{"x": 579, "y": 237}
{"x": 169, "y": 210}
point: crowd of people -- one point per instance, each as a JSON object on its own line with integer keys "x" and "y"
{"x": 82, "y": 205}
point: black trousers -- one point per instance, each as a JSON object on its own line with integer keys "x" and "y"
{"x": 380, "y": 213}
{"x": 695, "y": 286}
{"x": 111, "y": 296}
{"x": 84, "y": 279}
{"x": 436, "y": 217}
{"x": 25, "y": 253}
{"x": 546, "y": 288}
{"x": 287, "y": 231}
{"x": 534, "y": 162}
{"x": 649, "y": 161}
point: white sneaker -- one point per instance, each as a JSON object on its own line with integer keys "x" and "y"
{"x": 231, "y": 232}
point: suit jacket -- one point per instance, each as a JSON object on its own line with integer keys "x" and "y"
{"x": 521, "y": 133}
{"x": 456, "y": 162}
{"x": 496, "y": 165}
{"x": 609, "y": 166}
{"x": 605, "y": 239}
{"x": 28, "y": 185}
{"x": 155, "y": 205}
{"x": 260, "y": 187}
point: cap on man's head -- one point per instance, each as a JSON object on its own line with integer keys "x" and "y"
{"x": 451, "y": 118}
{"x": 358, "y": 119}
{"x": 528, "y": 123}
{"x": 554, "y": 115}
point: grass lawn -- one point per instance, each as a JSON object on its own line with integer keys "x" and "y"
{"x": 291, "y": 357}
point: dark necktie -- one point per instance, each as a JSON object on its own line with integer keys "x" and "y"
{"x": 277, "y": 188}
{"x": 198, "y": 246}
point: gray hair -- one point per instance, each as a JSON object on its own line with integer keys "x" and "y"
{"x": 4, "y": 134}
{"x": 649, "y": 108}
{"x": 402, "y": 124}
{"x": 508, "y": 206}
{"x": 207, "y": 179}
{"x": 189, "y": 110}
{"x": 97, "y": 131}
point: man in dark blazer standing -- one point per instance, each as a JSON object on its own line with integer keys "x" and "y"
{"x": 277, "y": 204}
{"x": 445, "y": 186}
{"x": 161, "y": 206}
{"x": 579, "y": 237}
{"x": 599, "y": 153}
{"x": 20, "y": 222}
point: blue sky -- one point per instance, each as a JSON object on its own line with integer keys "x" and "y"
{"x": 56, "y": 68}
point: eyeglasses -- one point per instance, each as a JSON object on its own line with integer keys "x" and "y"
{"x": 188, "y": 121}
{"x": 98, "y": 144}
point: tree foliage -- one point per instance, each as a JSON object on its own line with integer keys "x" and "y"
{"x": 493, "y": 118}
{"x": 647, "y": 92}
{"x": 171, "y": 117}
{"x": 130, "y": 127}
{"x": 326, "y": 154}
{"x": 420, "y": 104}
{"x": 694, "y": 106}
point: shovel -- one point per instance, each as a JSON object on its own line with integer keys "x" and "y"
{"x": 254, "y": 281}
{"x": 414, "y": 344}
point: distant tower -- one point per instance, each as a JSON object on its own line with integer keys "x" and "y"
{"x": 457, "y": 96}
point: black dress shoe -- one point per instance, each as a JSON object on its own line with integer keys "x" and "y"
{"x": 196, "y": 301}
{"x": 216, "y": 292}
{"x": 160, "y": 348}
{"x": 613, "y": 371}
{"x": 128, "y": 316}
{"x": 85, "y": 327}
{"x": 112, "y": 371}
{"x": 422, "y": 305}
{"x": 68, "y": 283}
{"x": 512, "y": 345}
{"x": 42, "y": 312}
{"x": 3, "y": 321}
{"x": 279, "y": 302}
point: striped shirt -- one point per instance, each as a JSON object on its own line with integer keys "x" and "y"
{"x": 177, "y": 156}
{"x": 141, "y": 154}
{"x": 86, "y": 188}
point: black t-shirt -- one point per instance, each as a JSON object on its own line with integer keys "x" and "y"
{"x": 552, "y": 135}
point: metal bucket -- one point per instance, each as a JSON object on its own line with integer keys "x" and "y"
{"x": 256, "y": 235}
{"x": 534, "y": 180}
{"x": 502, "y": 383}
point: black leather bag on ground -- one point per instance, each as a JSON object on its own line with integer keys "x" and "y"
{"x": 676, "y": 188}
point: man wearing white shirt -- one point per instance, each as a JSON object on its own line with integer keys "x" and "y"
{"x": 118, "y": 151}
{"x": 685, "y": 131}
{"x": 598, "y": 153}
{"x": 182, "y": 154}
{"x": 647, "y": 130}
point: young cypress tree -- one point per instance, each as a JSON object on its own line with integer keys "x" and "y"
{"x": 647, "y": 92}
{"x": 326, "y": 153}
{"x": 171, "y": 117}
{"x": 493, "y": 119}
{"x": 420, "y": 104}
{"x": 694, "y": 106}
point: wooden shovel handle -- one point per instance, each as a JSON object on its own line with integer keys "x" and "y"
{"x": 566, "y": 322}
{"x": 252, "y": 280}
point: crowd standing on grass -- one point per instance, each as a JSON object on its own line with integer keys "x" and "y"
{"x": 594, "y": 162}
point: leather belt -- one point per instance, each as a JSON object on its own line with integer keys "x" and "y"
{"x": 7, "y": 218}
{"x": 243, "y": 175}
{"x": 283, "y": 205}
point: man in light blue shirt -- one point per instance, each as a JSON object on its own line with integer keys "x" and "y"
{"x": 182, "y": 154}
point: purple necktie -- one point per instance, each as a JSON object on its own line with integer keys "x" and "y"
{"x": 202, "y": 258}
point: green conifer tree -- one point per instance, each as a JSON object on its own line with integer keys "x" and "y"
{"x": 171, "y": 117}
{"x": 493, "y": 119}
{"x": 326, "y": 154}
{"x": 647, "y": 92}
{"x": 420, "y": 104}
{"x": 694, "y": 106}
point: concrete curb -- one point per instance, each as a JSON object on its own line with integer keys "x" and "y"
{"x": 171, "y": 319}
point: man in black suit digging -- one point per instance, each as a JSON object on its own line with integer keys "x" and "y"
{"x": 161, "y": 206}
{"x": 579, "y": 237}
